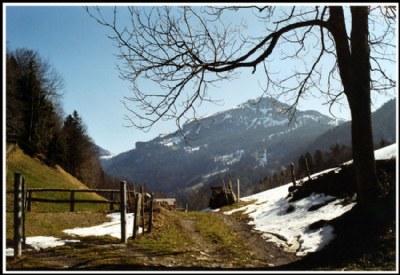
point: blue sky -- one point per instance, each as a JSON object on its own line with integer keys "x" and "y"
{"x": 78, "y": 48}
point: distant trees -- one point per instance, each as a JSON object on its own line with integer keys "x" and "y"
{"x": 317, "y": 162}
{"x": 34, "y": 119}
{"x": 32, "y": 93}
{"x": 81, "y": 157}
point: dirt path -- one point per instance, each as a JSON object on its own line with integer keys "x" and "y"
{"x": 177, "y": 243}
{"x": 267, "y": 253}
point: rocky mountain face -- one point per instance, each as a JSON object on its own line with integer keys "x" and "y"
{"x": 246, "y": 142}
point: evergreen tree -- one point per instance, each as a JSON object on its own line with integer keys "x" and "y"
{"x": 81, "y": 156}
{"x": 318, "y": 160}
{"x": 75, "y": 143}
{"x": 32, "y": 94}
{"x": 14, "y": 115}
{"x": 310, "y": 161}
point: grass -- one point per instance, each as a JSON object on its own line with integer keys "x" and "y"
{"x": 52, "y": 224}
{"x": 237, "y": 205}
{"x": 39, "y": 175}
{"x": 166, "y": 236}
{"x": 213, "y": 228}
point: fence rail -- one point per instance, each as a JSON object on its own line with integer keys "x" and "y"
{"x": 72, "y": 200}
{"x": 77, "y": 190}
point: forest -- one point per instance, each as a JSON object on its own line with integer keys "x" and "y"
{"x": 35, "y": 119}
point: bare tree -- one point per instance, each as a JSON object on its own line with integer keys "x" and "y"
{"x": 344, "y": 52}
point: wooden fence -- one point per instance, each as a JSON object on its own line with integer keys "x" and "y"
{"x": 23, "y": 199}
{"x": 72, "y": 200}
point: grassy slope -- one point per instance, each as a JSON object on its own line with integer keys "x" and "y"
{"x": 38, "y": 175}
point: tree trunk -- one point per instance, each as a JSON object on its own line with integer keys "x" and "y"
{"x": 363, "y": 150}
{"x": 360, "y": 105}
{"x": 354, "y": 66}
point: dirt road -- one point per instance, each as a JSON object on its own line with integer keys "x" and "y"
{"x": 179, "y": 241}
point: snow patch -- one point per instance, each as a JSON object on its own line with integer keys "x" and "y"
{"x": 191, "y": 149}
{"x": 388, "y": 152}
{"x": 108, "y": 156}
{"x": 171, "y": 142}
{"x": 230, "y": 159}
{"x": 42, "y": 242}
{"x": 112, "y": 228}
{"x": 287, "y": 224}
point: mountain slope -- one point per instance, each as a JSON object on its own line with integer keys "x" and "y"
{"x": 383, "y": 125}
{"x": 247, "y": 141}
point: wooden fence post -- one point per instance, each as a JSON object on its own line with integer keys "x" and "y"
{"x": 72, "y": 203}
{"x": 293, "y": 177}
{"x": 23, "y": 211}
{"x": 142, "y": 206}
{"x": 17, "y": 214}
{"x": 29, "y": 197}
{"x": 137, "y": 215}
{"x": 307, "y": 168}
{"x": 150, "y": 225}
{"x": 128, "y": 199}
{"x": 124, "y": 237}
{"x": 112, "y": 202}
{"x": 238, "y": 189}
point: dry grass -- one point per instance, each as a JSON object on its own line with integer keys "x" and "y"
{"x": 39, "y": 175}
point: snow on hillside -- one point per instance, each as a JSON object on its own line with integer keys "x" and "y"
{"x": 388, "y": 152}
{"x": 108, "y": 156}
{"x": 112, "y": 228}
{"x": 287, "y": 224}
{"x": 269, "y": 214}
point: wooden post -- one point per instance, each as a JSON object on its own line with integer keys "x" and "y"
{"x": 23, "y": 211}
{"x": 142, "y": 207}
{"x": 150, "y": 225}
{"x": 186, "y": 207}
{"x": 112, "y": 201}
{"x": 72, "y": 203}
{"x": 137, "y": 215}
{"x": 129, "y": 199}
{"x": 238, "y": 189}
{"x": 134, "y": 198}
{"x": 308, "y": 169}
{"x": 29, "y": 197}
{"x": 293, "y": 177}
{"x": 17, "y": 214}
{"x": 122, "y": 207}
{"x": 226, "y": 195}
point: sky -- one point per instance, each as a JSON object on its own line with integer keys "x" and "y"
{"x": 267, "y": 213}
{"x": 78, "y": 48}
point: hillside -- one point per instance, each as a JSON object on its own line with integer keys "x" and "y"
{"x": 246, "y": 142}
{"x": 267, "y": 231}
{"x": 39, "y": 175}
{"x": 383, "y": 125}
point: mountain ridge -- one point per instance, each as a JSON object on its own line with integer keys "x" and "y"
{"x": 253, "y": 138}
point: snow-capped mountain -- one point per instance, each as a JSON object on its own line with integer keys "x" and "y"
{"x": 245, "y": 142}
